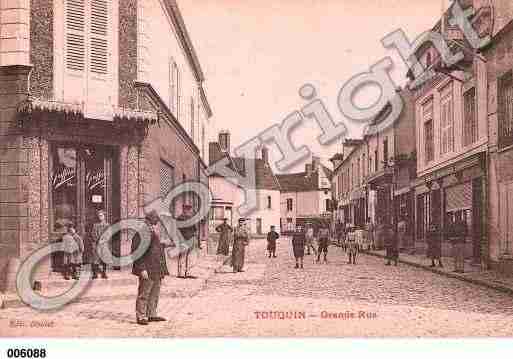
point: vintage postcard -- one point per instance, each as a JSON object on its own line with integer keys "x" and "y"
{"x": 222, "y": 168}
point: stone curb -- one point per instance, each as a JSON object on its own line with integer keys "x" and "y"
{"x": 6, "y": 303}
{"x": 483, "y": 283}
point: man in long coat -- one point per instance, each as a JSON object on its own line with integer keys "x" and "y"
{"x": 150, "y": 268}
{"x": 224, "y": 230}
{"x": 98, "y": 228}
{"x": 434, "y": 242}
{"x": 391, "y": 244}
{"x": 240, "y": 241}
{"x": 324, "y": 240}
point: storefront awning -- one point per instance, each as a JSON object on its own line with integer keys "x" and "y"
{"x": 75, "y": 111}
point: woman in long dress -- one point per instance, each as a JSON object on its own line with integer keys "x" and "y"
{"x": 224, "y": 231}
{"x": 240, "y": 241}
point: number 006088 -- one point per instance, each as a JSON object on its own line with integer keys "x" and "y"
{"x": 26, "y": 353}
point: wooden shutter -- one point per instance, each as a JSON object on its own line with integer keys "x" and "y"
{"x": 75, "y": 35}
{"x": 192, "y": 120}
{"x": 99, "y": 43}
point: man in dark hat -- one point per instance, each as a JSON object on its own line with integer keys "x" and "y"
{"x": 150, "y": 268}
{"x": 189, "y": 235}
{"x": 272, "y": 236}
{"x": 240, "y": 241}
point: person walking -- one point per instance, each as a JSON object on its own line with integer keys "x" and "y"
{"x": 72, "y": 258}
{"x": 150, "y": 268}
{"x": 240, "y": 241}
{"x": 434, "y": 242}
{"x": 352, "y": 246}
{"x": 370, "y": 233}
{"x": 189, "y": 235}
{"x": 298, "y": 246}
{"x": 272, "y": 236}
{"x": 390, "y": 242}
{"x": 99, "y": 266}
{"x": 224, "y": 230}
{"x": 309, "y": 239}
{"x": 324, "y": 238}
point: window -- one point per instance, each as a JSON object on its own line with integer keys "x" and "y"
{"x": 289, "y": 204}
{"x": 327, "y": 205}
{"x": 364, "y": 165}
{"x": 470, "y": 120}
{"x": 505, "y": 102}
{"x": 429, "y": 140}
{"x": 376, "y": 161}
{"x": 167, "y": 180}
{"x": 203, "y": 141}
{"x": 269, "y": 202}
{"x": 385, "y": 152}
{"x": 86, "y": 29}
{"x": 446, "y": 121}
{"x": 358, "y": 173}
{"x": 192, "y": 121}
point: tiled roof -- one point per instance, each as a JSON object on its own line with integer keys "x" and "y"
{"x": 301, "y": 182}
{"x": 265, "y": 178}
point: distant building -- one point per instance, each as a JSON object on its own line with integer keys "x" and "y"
{"x": 228, "y": 197}
{"x": 305, "y": 195}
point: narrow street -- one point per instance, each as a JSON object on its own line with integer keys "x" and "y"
{"x": 272, "y": 298}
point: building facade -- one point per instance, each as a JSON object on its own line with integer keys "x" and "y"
{"x": 305, "y": 196}
{"x": 95, "y": 114}
{"x": 229, "y": 195}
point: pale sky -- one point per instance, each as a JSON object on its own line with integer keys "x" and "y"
{"x": 256, "y": 54}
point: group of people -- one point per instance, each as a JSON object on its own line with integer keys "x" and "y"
{"x": 305, "y": 238}
{"x": 240, "y": 241}
{"x": 76, "y": 251}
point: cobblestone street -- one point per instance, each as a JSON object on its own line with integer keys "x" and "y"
{"x": 272, "y": 298}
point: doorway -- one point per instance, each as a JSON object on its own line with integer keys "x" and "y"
{"x": 83, "y": 179}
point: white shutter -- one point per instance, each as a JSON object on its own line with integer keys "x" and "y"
{"x": 99, "y": 44}
{"x": 75, "y": 35}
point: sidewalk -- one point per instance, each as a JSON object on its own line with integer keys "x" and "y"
{"x": 472, "y": 274}
{"x": 122, "y": 284}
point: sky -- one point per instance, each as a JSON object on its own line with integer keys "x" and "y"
{"x": 256, "y": 55}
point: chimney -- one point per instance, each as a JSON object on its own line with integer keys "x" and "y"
{"x": 308, "y": 169}
{"x": 315, "y": 163}
{"x": 224, "y": 141}
{"x": 265, "y": 154}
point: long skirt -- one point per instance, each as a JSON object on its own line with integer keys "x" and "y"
{"x": 223, "y": 246}
{"x": 238, "y": 253}
{"x": 299, "y": 251}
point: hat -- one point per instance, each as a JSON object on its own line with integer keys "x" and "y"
{"x": 241, "y": 219}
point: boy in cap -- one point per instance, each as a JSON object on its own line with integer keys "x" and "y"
{"x": 272, "y": 236}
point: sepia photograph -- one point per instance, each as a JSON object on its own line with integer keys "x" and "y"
{"x": 255, "y": 169}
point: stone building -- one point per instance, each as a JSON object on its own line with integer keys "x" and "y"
{"x": 229, "y": 194}
{"x": 305, "y": 195}
{"x": 101, "y": 107}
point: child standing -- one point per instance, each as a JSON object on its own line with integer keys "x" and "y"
{"x": 72, "y": 258}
